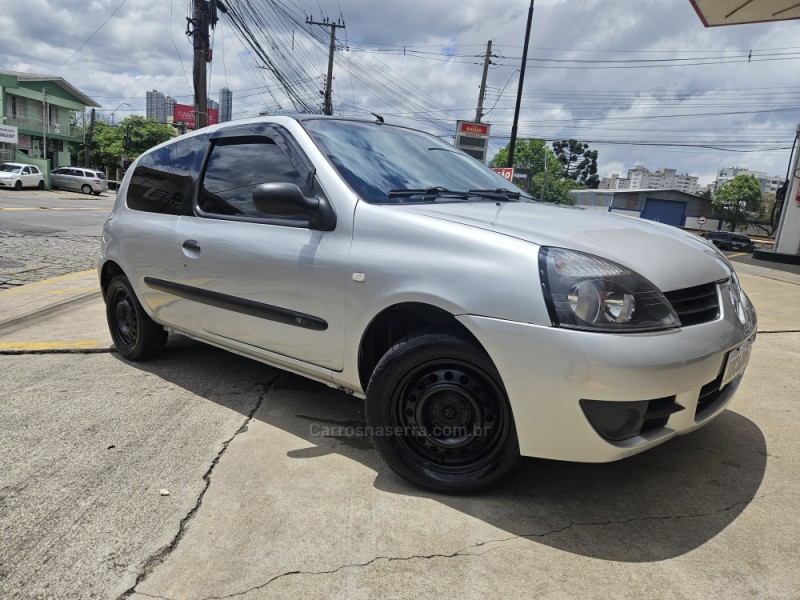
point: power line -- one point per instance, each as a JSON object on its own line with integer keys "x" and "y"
{"x": 89, "y": 39}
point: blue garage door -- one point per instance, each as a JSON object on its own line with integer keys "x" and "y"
{"x": 670, "y": 212}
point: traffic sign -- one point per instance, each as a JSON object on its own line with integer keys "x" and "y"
{"x": 702, "y": 220}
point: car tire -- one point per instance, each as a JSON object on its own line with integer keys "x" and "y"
{"x": 40, "y": 186}
{"x": 439, "y": 415}
{"x": 136, "y": 336}
{"x": 86, "y": 189}
{"x": 17, "y": 185}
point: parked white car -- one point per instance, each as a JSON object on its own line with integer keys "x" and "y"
{"x": 479, "y": 324}
{"x": 18, "y": 176}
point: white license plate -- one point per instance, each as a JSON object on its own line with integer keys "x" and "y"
{"x": 737, "y": 361}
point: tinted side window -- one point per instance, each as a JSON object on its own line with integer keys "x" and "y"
{"x": 237, "y": 166}
{"x": 164, "y": 179}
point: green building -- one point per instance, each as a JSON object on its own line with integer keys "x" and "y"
{"x": 25, "y": 100}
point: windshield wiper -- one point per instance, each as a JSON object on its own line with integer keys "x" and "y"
{"x": 436, "y": 192}
{"x": 498, "y": 194}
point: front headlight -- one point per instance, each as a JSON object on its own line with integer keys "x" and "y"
{"x": 583, "y": 291}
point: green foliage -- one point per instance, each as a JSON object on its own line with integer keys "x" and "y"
{"x": 578, "y": 162}
{"x": 107, "y": 141}
{"x": 546, "y": 184}
{"x": 738, "y": 201}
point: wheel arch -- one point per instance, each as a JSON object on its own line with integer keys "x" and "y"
{"x": 107, "y": 273}
{"x": 396, "y": 322}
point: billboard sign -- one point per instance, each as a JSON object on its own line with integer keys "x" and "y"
{"x": 9, "y": 134}
{"x": 185, "y": 113}
{"x": 506, "y": 173}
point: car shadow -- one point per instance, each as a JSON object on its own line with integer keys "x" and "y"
{"x": 650, "y": 507}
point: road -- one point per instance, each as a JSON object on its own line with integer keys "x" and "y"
{"x": 46, "y": 234}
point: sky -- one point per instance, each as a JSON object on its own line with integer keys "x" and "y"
{"x": 640, "y": 81}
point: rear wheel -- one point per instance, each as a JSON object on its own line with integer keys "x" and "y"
{"x": 86, "y": 189}
{"x": 136, "y": 336}
{"x": 439, "y": 415}
{"x": 41, "y": 184}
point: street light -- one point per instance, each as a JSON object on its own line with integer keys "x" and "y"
{"x": 116, "y": 109}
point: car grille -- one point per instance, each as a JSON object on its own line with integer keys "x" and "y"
{"x": 694, "y": 305}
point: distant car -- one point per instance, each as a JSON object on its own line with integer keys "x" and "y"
{"x": 88, "y": 181}
{"x": 18, "y": 176}
{"x": 725, "y": 240}
{"x": 477, "y": 323}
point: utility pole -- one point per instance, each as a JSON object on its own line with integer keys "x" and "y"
{"x": 45, "y": 123}
{"x": 519, "y": 89}
{"x": 87, "y": 150}
{"x": 482, "y": 93}
{"x": 327, "y": 108}
{"x": 200, "y": 41}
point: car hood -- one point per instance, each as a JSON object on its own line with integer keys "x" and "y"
{"x": 669, "y": 257}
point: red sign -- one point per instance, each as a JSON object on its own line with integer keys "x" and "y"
{"x": 474, "y": 128}
{"x": 185, "y": 113}
{"x": 505, "y": 172}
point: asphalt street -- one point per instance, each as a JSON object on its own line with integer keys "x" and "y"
{"x": 203, "y": 474}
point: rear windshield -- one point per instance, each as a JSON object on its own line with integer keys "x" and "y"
{"x": 100, "y": 174}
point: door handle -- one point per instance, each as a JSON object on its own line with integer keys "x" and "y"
{"x": 191, "y": 245}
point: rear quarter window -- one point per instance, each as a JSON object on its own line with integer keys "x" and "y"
{"x": 164, "y": 179}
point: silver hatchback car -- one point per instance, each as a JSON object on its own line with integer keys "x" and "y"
{"x": 479, "y": 324}
{"x": 88, "y": 181}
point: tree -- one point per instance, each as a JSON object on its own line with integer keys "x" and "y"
{"x": 765, "y": 219}
{"x": 107, "y": 141}
{"x": 738, "y": 200}
{"x": 546, "y": 184}
{"x": 579, "y": 163}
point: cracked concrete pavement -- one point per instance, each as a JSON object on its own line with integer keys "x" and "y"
{"x": 265, "y": 503}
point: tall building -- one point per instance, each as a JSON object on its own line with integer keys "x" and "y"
{"x": 157, "y": 106}
{"x": 225, "y": 105}
{"x": 170, "y": 102}
{"x": 641, "y": 178}
{"x": 212, "y": 105}
{"x": 768, "y": 183}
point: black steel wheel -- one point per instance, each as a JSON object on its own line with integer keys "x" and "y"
{"x": 439, "y": 415}
{"x": 135, "y": 334}
{"x": 41, "y": 184}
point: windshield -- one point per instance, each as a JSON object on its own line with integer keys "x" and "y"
{"x": 10, "y": 168}
{"x": 385, "y": 164}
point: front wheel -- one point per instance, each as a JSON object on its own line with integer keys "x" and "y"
{"x": 439, "y": 415}
{"x": 86, "y": 189}
{"x": 136, "y": 336}
{"x": 17, "y": 185}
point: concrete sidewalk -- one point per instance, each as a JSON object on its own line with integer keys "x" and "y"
{"x": 62, "y": 313}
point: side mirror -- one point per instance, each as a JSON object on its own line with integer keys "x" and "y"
{"x": 286, "y": 200}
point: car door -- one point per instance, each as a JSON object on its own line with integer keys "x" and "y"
{"x": 272, "y": 283}
{"x": 57, "y": 177}
{"x": 28, "y": 178}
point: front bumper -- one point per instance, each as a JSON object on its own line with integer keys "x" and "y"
{"x": 548, "y": 371}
